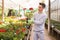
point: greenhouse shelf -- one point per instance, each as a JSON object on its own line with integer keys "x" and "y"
{"x": 54, "y": 29}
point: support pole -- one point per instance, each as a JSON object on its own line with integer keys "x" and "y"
{"x": 49, "y": 16}
{"x": 2, "y": 10}
{"x": 19, "y": 9}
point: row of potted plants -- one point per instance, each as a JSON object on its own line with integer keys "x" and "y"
{"x": 12, "y": 29}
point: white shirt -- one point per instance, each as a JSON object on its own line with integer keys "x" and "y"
{"x": 39, "y": 21}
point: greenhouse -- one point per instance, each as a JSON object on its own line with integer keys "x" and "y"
{"x": 18, "y": 20}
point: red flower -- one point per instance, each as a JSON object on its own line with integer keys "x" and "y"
{"x": 24, "y": 8}
{"x": 2, "y": 30}
{"x": 23, "y": 29}
{"x": 30, "y": 8}
{"x": 17, "y": 32}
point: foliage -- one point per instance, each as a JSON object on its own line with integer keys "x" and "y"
{"x": 12, "y": 29}
{"x": 55, "y": 23}
{"x": 29, "y": 15}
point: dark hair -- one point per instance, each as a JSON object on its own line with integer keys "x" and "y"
{"x": 9, "y": 13}
{"x": 43, "y": 4}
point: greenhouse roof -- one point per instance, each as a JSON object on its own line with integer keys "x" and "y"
{"x": 23, "y": 3}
